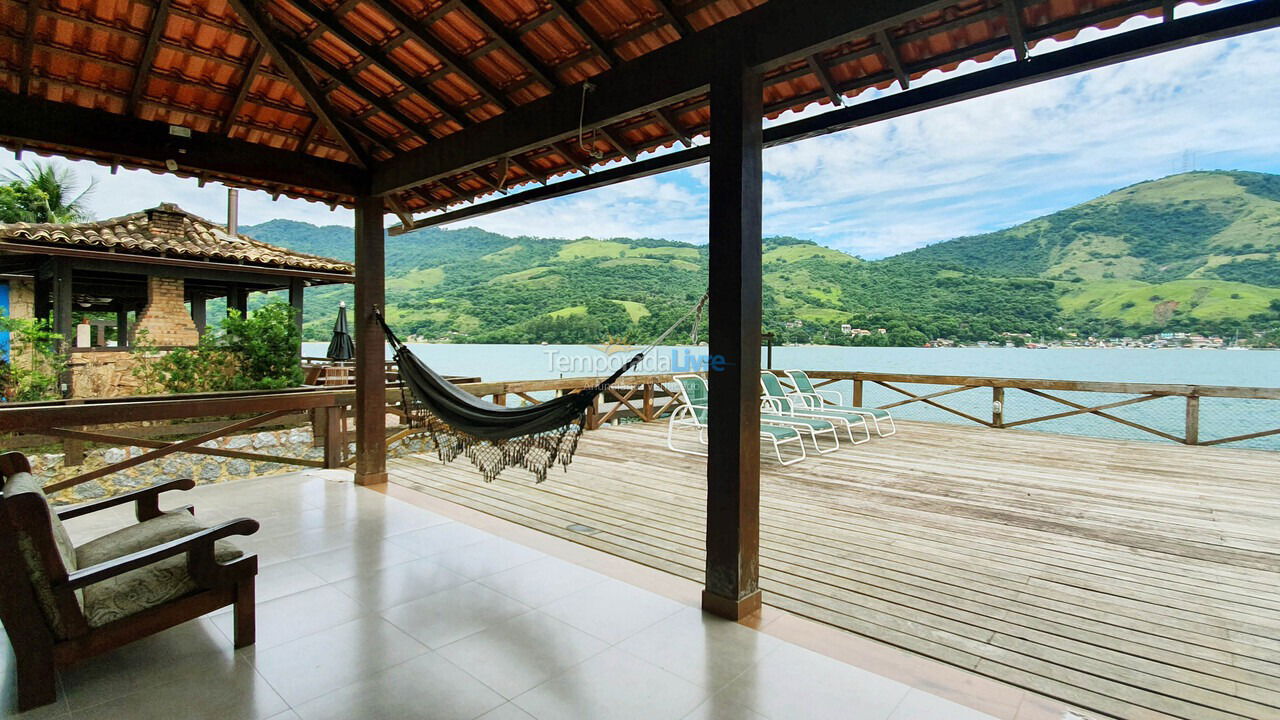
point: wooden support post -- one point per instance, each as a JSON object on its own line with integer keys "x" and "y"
{"x": 72, "y": 448}
{"x": 334, "y": 438}
{"x": 733, "y": 461}
{"x": 63, "y": 325}
{"x": 371, "y": 381}
{"x": 997, "y": 407}
{"x": 857, "y": 393}
{"x": 199, "y": 315}
{"x": 1193, "y": 420}
{"x": 296, "y": 288}
{"x": 237, "y": 300}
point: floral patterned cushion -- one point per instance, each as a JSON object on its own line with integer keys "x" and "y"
{"x": 27, "y": 483}
{"x": 148, "y": 586}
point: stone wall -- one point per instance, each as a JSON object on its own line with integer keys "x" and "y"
{"x": 204, "y": 469}
{"x": 103, "y": 373}
{"x": 166, "y": 320}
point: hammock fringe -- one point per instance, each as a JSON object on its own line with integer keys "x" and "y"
{"x": 537, "y": 453}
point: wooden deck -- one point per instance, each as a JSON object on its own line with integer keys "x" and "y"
{"x": 1133, "y": 579}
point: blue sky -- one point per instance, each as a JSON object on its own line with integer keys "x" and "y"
{"x": 875, "y": 191}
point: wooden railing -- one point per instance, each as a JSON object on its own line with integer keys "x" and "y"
{"x": 112, "y": 421}
{"x": 198, "y": 419}
{"x": 652, "y": 397}
{"x": 1047, "y": 389}
{"x": 647, "y": 398}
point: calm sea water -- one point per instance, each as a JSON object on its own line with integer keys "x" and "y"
{"x": 1219, "y": 417}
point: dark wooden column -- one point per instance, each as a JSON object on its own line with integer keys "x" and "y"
{"x": 733, "y": 461}
{"x": 62, "y": 303}
{"x": 199, "y": 314}
{"x": 296, "y": 288}
{"x": 122, "y": 322}
{"x": 237, "y": 300}
{"x": 62, "y": 323}
{"x": 371, "y": 381}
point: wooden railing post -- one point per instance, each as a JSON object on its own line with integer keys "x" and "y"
{"x": 648, "y": 403}
{"x": 1193, "y": 420}
{"x": 334, "y": 438}
{"x": 997, "y": 407}
{"x": 857, "y": 393}
{"x": 72, "y": 449}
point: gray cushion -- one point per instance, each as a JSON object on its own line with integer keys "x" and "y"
{"x": 27, "y": 483}
{"x": 148, "y": 586}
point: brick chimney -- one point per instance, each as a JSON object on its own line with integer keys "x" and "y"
{"x": 166, "y": 320}
{"x": 166, "y": 221}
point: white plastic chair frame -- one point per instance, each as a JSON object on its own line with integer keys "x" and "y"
{"x": 686, "y": 416}
{"x": 819, "y": 399}
{"x": 789, "y": 405}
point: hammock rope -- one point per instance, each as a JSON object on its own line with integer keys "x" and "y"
{"x": 495, "y": 437}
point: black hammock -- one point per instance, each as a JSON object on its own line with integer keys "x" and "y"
{"x": 494, "y": 437}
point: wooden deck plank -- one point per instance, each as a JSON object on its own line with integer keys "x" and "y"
{"x": 1135, "y": 579}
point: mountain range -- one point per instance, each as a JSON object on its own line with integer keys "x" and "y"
{"x": 1195, "y": 252}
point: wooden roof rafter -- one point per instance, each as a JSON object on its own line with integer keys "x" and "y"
{"x": 673, "y": 17}
{"x": 889, "y": 52}
{"x": 304, "y": 83}
{"x": 418, "y": 30}
{"x": 1017, "y": 34}
{"x": 380, "y": 58}
{"x": 242, "y": 92}
{"x": 820, "y": 70}
{"x": 28, "y": 46}
{"x": 595, "y": 42}
{"x": 159, "y": 18}
{"x": 348, "y": 83}
{"x": 505, "y": 39}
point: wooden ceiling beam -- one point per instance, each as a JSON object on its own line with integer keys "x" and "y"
{"x": 820, "y": 71}
{"x": 242, "y": 93}
{"x": 673, "y": 17}
{"x": 528, "y": 169}
{"x": 772, "y": 35}
{"x": 377, "y": 56}
{"x": 890, "y": 55}
{"x": 1142, "y": 42}
{"x": 570, "y": 156}
{"x": 28, "y": 46}
{"x": 418, "y": 30}
{"x": 595, "y": 42}
{"x": 668, "y": 120}
{"x": 348, "y": 82}
{"x": 302, "y": 81}
{"x": 615, "y": 139}
{"x": 1013, "y": 18}
{"x": 96, "y": 135}
{"x": 492, "y": 25}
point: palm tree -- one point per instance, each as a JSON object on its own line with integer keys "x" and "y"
{"x": 41, "y": 193}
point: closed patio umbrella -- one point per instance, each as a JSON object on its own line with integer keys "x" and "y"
{"x": 340, "y": 347}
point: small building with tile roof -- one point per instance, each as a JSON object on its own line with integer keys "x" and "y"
{"x": 155, "y": 270}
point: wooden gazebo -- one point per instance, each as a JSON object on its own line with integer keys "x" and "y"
{"x": 154, "y": 271}
{"x": 416, "y": 106}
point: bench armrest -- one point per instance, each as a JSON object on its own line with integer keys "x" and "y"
{"x": 198, "y": 544}
{"x": 147, "y": 499}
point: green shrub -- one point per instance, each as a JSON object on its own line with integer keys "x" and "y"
{"x": 35, "y": 366}
{"x": 258, "y": 352}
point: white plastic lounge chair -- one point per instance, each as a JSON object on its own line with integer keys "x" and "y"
{"x": 816, "y": 398}
{"x": 783, "y": 403}
{"x": 692, "y": 414}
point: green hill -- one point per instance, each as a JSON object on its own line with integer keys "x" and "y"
{"x": 1192, "y": 252}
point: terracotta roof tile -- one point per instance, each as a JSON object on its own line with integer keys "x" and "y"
{"x": 465, "y": 61}
{"x": 154, "y": 233}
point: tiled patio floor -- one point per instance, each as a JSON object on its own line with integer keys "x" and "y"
{"x": 370, "y": 607}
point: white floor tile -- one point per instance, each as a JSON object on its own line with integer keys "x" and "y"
{"x": 612, "y": 610}
{"x": 521, "y": 653}
{"x": 453, "y": 614}
{"x": 426, "y": 687}
{"x": 542, "y": 581}
{"x": 613, "y": 685}
{"x": 792, "y": 677}
{"x": 312, "y": 666}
